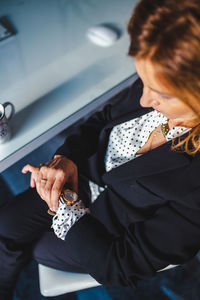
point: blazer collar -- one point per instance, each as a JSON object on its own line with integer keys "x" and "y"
{"x": 127, "y": 117}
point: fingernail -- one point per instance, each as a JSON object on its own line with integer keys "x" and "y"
{"x": 54, "y": 208}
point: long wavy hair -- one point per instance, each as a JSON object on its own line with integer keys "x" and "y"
{"x": 167, "y": 32}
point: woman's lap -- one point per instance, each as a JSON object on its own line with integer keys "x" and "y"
{"x": 24, "y": 218}
{"x": 54, "y": 252}
{"x": 25, "y": 223}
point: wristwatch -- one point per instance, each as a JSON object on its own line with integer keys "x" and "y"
{"x": 67, "y": 197}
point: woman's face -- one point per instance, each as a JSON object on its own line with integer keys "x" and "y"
{"x": 159, "y": 97}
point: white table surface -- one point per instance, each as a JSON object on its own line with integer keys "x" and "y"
{"x": 56, "y": 81}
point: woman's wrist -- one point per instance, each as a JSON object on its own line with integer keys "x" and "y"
{"x": 66, "y": 216}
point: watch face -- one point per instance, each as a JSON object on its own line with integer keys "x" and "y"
{"x": 69, "y": 195}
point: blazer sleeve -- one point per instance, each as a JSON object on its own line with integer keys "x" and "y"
{"x": 171, "y": 236}
{"x": 83, "y": 139}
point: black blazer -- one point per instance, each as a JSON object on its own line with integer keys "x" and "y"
{"x": 148, "y": 216}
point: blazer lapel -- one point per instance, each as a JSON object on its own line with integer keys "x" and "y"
{"x": 158, "y": 160}
{"x": 95, "y": 164}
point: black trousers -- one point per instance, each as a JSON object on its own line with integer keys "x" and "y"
{"x": 25, "y": 233}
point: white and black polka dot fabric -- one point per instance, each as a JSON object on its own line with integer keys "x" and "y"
{"x": 124, "y": 142}
{"x": 66, "y": 216}
{"x": 127, "y": 138}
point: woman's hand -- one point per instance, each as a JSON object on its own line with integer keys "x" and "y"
{"x": 49, "y": 178}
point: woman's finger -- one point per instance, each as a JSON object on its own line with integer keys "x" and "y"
{"x": 39, "y": 191}
{"x": 29, "y": 168}
{"x": 32, "y": 181}
{"x": 55, "y": 193}
{"x": 40, "y": 187}
{"x": 47, "y": 191}
{"x": 33, "y": 170}
{"x": 44, "y": 182}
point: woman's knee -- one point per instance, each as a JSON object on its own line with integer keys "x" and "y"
{"x": 23, "y": 215}
{"x": 54, "y": 252}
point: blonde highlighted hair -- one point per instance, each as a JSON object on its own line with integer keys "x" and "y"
{"x": 168, "y": 33}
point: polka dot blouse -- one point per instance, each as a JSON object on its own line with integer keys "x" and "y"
{"x": 127, "y": 138}
{"x": 124, "y": 142}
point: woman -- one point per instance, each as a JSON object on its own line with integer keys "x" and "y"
{"x": 137, "y": 162}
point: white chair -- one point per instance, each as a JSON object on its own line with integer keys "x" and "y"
{"x": 55, "y": 282}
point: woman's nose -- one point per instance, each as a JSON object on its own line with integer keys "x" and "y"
{"x": 148, "y": 98}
